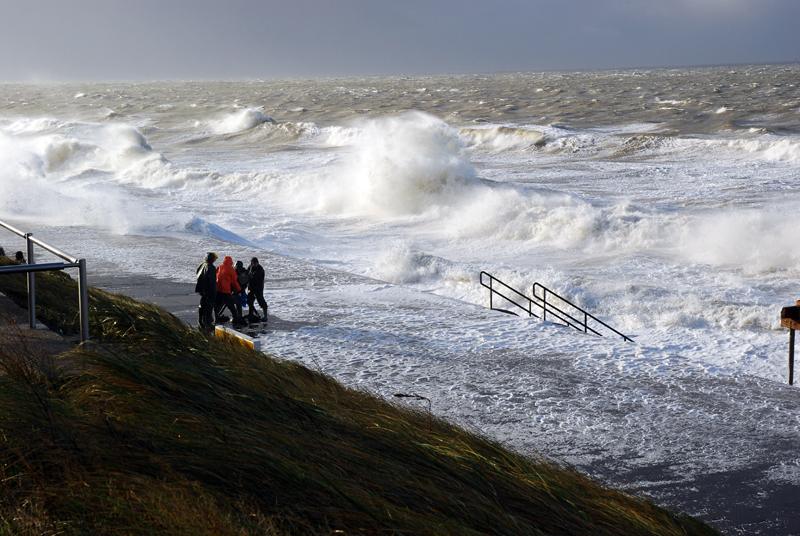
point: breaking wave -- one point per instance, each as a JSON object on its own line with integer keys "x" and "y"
{"x": 239, "y": 121}
{"x": 401, "y": 165}
{"x": 73, "y": 171}
{"x": 769, "y": 147}
{"x": 416, "y": 167}
{"x": 502, "y": 138}
{"x": 200, "y": 226}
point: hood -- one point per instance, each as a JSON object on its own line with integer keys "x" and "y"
{"x": 228, "y": 261}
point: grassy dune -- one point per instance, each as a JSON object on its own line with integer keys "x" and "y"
{"x": 152, "y": 428}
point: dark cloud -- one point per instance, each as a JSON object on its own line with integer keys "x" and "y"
{"x": 121, "y": 39}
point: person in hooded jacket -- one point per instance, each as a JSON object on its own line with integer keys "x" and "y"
{"x": 244, "y": 278}
{"x": 255, "y": 289}
{"x": 227, "y": 286}
{"x": 206, "y": 286}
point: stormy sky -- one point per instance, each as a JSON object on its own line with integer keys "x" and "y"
{"x": 179, "y": 39}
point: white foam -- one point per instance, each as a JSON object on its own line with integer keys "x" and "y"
{"x": 402, "y": 165}
{"x": 73, "y": 171}
{"x": 754, "y": 240}
{"x": 769, "y": 147}
{"x": 239, "y": 121}
{"x": 502, "y": 138}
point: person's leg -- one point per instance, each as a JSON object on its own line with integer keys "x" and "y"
{"x": 231, "y": 303}
{"x": 219, "y": 306}
{"x": 251, "y": 311}
{"x": 262, "y": 303}
{"x": 207, "y": 311}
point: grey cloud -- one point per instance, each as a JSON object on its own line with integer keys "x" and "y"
{"x": 116, "y": 39}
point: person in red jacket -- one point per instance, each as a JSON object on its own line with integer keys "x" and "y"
{"x": 227, "y": 285}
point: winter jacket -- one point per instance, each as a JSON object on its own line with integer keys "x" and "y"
{"x": 206, "y": 279}
{"x": 256, "y": 273}
{"x": 227, "y": 282}
{"x": 243, "y": 277}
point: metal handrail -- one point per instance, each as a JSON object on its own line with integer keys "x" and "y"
{"x": 55, "y": 251}
{"x": 545, "y": 306}
{"x": 586, "y": 314}
{"x": 530, "y": 301}
{"x": 493, "y": 291}
{"x": 31, "y": 268}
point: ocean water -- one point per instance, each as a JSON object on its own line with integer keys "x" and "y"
{"x": 660, "y": 200}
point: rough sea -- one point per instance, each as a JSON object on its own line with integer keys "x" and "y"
{"x": 663, "y": 201}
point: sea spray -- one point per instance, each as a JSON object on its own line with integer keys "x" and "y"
{"x": 239, "y": 121}
{"x": 401, "y": 165}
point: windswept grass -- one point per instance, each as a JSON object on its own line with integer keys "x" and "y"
{"x": 155, "y": 429}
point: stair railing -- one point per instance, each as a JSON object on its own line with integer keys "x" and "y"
{"x": 492, "y": 283}
{"x": 31, "y": 268}
{"x": 502, "y": 289}
{"x": 580, "y": 325}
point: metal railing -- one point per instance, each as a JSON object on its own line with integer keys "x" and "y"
{"x": 31, "y": 268}
{"x": 493, "y": 281}
{"x": 545, "y": 307}
{"x": 586, "y": 315}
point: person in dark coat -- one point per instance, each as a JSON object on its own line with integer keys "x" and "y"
{"x": 19, "y": 258}
{"x": 255, "y": 289}
{"x": 2, "y": 252}
{"x": 243, "y": 277}
{"x": 207, "y": 288}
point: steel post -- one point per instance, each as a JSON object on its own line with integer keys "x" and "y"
{"x": 31, "y": 284}
{"x": 791, "y": 356}
{"x": 83, "y": 300}
{"x": 544, "y": 303}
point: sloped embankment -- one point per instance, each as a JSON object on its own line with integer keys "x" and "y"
{"x": 154, "y": 428}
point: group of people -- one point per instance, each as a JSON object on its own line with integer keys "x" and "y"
{"x": 231, "y": 287}
{"x": 19, "y": 257}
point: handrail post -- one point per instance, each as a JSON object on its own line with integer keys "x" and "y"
{"x": 491, "y": 293}
{"x": 544, "y": 308}
{"x": 585, "y": 322}
{"x": 791, "y": 356}
{"x": 83, "y": 300}
{"x": 31, "y": 283}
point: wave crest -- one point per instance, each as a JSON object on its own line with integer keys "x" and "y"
{"x": 503, "y": 138}
{"x": 239, "y": 121}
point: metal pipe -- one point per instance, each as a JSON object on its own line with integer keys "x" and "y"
{"x": 83, "y": 300}
{"x": 12, "y": 229}
{"x": 31, "y": 284}
{"x": 42, "y": 267}
{"x": 54, "y": 250}
{"x": 545, "y": 289}
{"x": 544, "y": 309}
